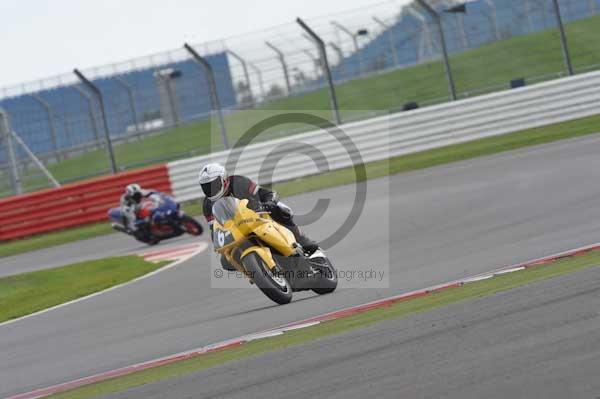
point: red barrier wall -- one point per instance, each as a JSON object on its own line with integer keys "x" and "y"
{"x": 73, "y": 204}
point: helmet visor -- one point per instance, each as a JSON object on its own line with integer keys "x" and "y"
{"x": 137, "y": 196}
{"x": 212, "y": 188}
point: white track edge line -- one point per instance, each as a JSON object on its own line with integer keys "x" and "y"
{"x": 201, "y": 247}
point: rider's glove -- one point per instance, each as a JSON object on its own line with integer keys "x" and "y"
{"x": 268, "y": 206}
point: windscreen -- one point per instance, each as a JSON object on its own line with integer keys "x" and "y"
{"x": 157, "y": 200}
{"x": 225, "y": 208}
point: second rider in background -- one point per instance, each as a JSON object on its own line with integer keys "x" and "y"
{"x": 130, "y": 205}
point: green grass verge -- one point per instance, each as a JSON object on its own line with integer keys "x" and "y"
{"x": 27, "y": 293}
{"x": 489, "y": 66}
{"x": 377, "y": 169}
{"x": 329, "y": 328}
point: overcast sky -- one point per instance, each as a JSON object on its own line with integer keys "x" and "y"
{"x": 41, "y": 38}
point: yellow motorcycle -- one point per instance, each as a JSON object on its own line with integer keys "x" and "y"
{"x": 267, "y": 252}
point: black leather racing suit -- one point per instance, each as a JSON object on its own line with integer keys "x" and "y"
{"x": 129, "y": 210}
{"x": 242, "y": 187}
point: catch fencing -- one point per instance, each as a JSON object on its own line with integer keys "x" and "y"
{"x": 316, "y": 152}
{"x": 381, "y": 58}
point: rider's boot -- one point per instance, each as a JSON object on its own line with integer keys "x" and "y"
{"x": 120, "y": 228}
{"x": 309, "y": 246}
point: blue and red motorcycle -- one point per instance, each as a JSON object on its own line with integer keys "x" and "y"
{"x": 159, "y": 218}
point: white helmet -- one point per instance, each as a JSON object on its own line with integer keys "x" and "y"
{"x": 213, "y": 180}
{"x": 134, "y": 191}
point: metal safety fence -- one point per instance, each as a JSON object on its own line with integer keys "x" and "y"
{"x": 387, "y": 136}
{"x": 387, "y": 57}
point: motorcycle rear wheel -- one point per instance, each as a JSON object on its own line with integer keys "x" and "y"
{"x": 276, "y": 288}
{"x": 328, "y": 281}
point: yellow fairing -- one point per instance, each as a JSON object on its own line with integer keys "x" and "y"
{"x": 263, "y": 252}
{"x": 277, "y": 237}
{"x": 247, "y": 222}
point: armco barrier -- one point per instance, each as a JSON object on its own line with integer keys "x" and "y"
{"x": 407, "y": 132}
{"x": 74, "y": 204}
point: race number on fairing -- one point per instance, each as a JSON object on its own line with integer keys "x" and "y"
{"x": 221, "y": 238}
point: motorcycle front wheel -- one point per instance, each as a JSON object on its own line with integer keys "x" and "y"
{"x": 277, "y": 288}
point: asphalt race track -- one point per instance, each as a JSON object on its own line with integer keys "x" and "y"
{"x": 101, "y": 247}
{"x": 539, "y": 341}
{"x": 428, "y": 227}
